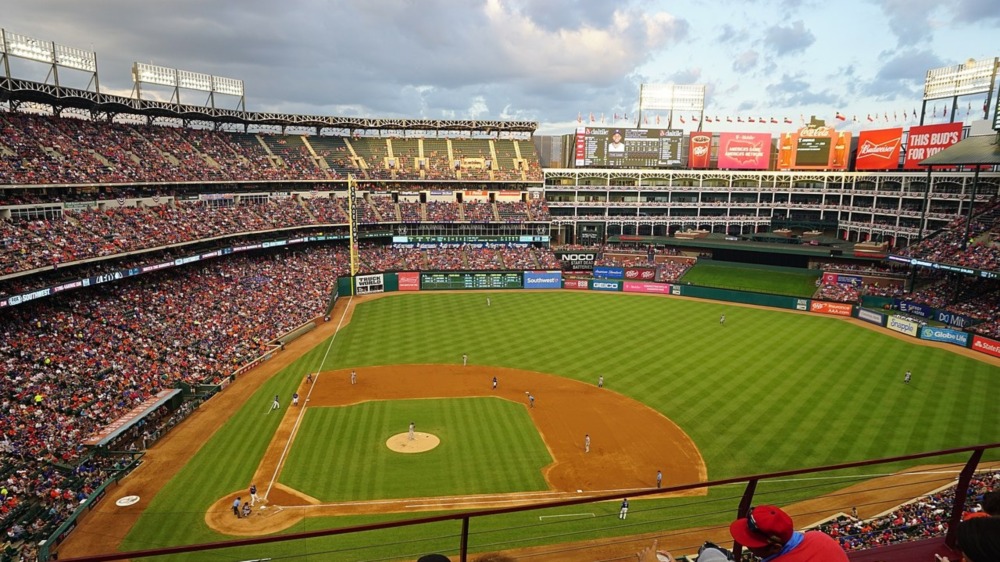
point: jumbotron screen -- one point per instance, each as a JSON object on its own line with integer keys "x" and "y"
{"x": 617, "y": 147}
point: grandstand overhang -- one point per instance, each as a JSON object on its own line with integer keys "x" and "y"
{"x": 17, "y": 90}
{"x": 973, "y": 151}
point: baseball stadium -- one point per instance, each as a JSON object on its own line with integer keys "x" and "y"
{"x": 236, "y": 335}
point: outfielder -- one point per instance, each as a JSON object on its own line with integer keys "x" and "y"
{"x": 275, "y": 405}
{"x": 623, "y": 512}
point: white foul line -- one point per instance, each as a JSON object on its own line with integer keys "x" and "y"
{"x": 298, "y": 419}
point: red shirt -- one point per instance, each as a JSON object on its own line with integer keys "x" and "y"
{"x": 815, "y": 547}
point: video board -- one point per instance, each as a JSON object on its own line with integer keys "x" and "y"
{"x": 445, "y": 280}
{"x": 617, "y": 147}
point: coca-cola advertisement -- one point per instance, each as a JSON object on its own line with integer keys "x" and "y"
{"x": 924, "y": 142}
{"x": 814, "y": 147}
{"x": 879, "y": 149}
{"x": 744, "y": 151}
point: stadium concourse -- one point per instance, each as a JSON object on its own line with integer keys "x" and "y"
{"x": 84, "y": 200}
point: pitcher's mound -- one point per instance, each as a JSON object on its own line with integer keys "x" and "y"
{"x": 422, "y": 442}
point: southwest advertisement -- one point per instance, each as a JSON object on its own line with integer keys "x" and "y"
{"x": 744, "y": 151}
{"x": 542, "y": 279}
{"x": 879, "y": 149}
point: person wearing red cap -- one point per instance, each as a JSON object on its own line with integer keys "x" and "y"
{"x": 768, "y": 532}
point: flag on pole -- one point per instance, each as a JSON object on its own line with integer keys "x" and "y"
{"x": 788, "y": 120}
{"x": 841, "y": 116}
{"x": 579, "y": 117}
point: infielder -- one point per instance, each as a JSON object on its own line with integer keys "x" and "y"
{"x": 586, "y": 443}
{"x": 354, "y": 377}
{"x": 494, "y": 383}
{"x": 465, "y": 359}
{"x": 531, "y": 400}
{"x": 600, "y": 381}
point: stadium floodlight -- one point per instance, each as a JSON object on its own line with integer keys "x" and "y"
{"x": 227, "y": 86}
{"x": 672, "y": 97}
{"x": 971, "y": 77}
{"x": 194, "y": 81}
{"x": 152, "y": 74}
{"x": 77, "y": 59}
{"x": 22, "y": 46}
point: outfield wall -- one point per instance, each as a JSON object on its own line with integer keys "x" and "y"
{"x": 908, "y": 321}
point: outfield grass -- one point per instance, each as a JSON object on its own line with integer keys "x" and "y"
{"x": 488, "y": 445}
{"x": 750, "y": 277}
{"x": 768, "y": 391}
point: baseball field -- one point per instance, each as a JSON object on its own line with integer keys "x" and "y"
{"x": 769, "y": 390}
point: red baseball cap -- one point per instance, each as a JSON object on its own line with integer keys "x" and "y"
{"x": 764, "y": 525}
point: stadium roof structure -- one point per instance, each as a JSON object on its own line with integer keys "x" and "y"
{"x": 17, "y": 91}
{"x": 978, "y": 150}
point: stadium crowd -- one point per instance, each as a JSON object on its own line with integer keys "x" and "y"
{"x": 921, "y": 518}
{"x": 44, "y": 149}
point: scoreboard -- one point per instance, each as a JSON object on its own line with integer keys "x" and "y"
{"x": 431, "y": 281}
{"x": 616, "y": 147}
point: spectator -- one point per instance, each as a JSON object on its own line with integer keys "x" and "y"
{"x": 768, "y": 532}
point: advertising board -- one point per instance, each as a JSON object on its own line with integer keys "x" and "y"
{"x": 605, "y": 272}
{"x": 872, "y": 317}
{"x": 879, "y": 149}
{"x": 644, "y": 287}
{"x": 986, "y": 345}
{"x": 903, "y": 325}
{"x": 926, "y": 141}
{"x": 944, "y": 335}
{"x": 605, "y": 285}
{"x": 409, "y": 280}
{"x": 744, "y": 151}
{"x": 542, "y": 279}
{"x": 834, "y": 308}
{"x": 369, "y": 284}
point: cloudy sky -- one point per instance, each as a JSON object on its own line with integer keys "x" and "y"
{"x": 549, "y": 61}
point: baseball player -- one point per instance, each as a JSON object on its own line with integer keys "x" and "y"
{"x": 309, "y": 378}
{"x": 295, "y": 399}
{"x": 409, "y": 436}
{"x": 354, "y": 377}
{"x": 487, "y": 301}
{"x": 494, "y": 383}
{"x": 586, "y": 443}
{"x": 600, "y": 381}
{"x": 531, "y": 400}
{"x": 659, "y": 478}
{"x": 253, "y": 494}
{"x": 465, "y": 359}
{"x": 722, "y": 319}
{"x": 275, "y": 405}
{"x": 906, "y": 377}
{"x": 623, "y": 512}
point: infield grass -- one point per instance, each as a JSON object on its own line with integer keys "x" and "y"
{"x": 488, "y": 445}
{"x": 769, "y": 390}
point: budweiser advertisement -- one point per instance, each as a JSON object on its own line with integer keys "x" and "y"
{"x": 744, "y": 151}
{"x": 924, "y": 142}
{"x": 700, "y": 150}
{"x": 814, "y": 147}
{"x": 879, "y": 150}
